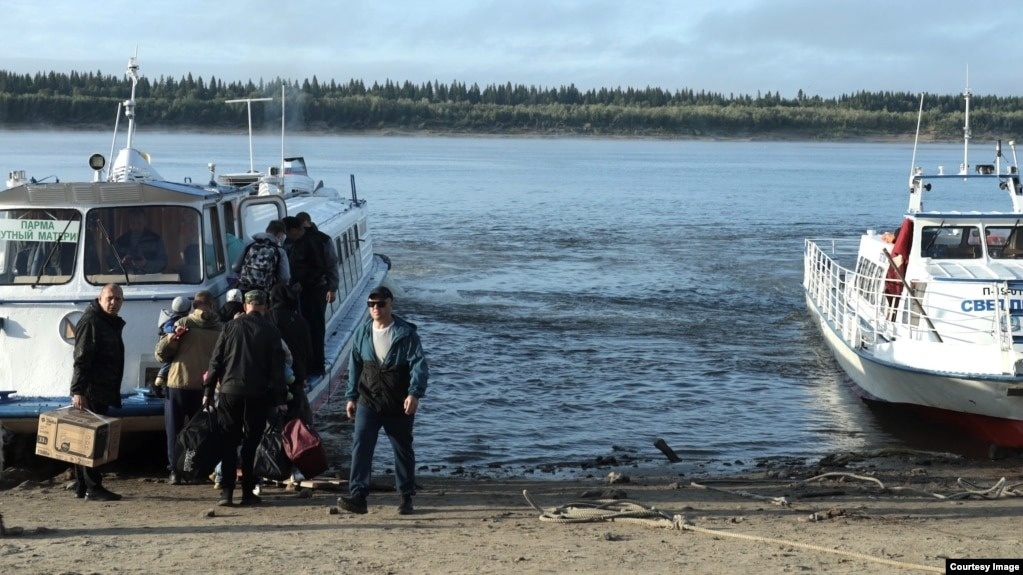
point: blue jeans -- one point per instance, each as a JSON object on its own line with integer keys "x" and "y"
{"x": 398, "y": 428}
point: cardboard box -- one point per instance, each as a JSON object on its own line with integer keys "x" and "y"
{"x": 78, "y": 436}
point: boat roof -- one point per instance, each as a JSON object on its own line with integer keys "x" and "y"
{"x": 98, "y": 193}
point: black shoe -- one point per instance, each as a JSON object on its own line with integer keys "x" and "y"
{"x": 101, "y": 494}
{"x": 174, "y": 479}
{"x": 251, "y": 499}
{"x": 354, "y": 504}
{"x": 226, "y": 498}
{"x": 405, "y": 508}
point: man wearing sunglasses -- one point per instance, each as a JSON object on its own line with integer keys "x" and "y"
{"x": 387, "y": 376}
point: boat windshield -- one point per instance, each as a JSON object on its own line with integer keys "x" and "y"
{"x": 951, "y": 242}
{"x": 38, "y": 246}
{"x": 1004, "y": 242}
{"x": 143, "y": 244}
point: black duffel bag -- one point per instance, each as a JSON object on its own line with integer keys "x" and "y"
{"x": 198, "y": 447}
{"x": 271, "y": 460}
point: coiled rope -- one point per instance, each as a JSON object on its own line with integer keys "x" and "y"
{"x": 631, "y": 511}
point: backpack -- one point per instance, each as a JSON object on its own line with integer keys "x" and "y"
{"x": 303, "y": 446}
{"x": 259, "y": 265}
{"x": 198, "y": 447}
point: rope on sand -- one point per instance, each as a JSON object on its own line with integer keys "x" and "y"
{"x": 630, "y": 511}
{"x": 998, "y": 490}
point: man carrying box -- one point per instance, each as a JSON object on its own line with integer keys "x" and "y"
{"x": 99, "y": 368}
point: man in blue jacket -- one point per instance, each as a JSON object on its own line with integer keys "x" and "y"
{"x": 387, "y": 375}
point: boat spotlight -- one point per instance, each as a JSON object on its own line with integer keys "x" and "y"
{"x": 97, "y": 161}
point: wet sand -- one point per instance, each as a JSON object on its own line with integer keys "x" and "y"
{"x": 892, "y": 513}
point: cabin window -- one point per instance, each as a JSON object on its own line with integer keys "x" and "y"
{"x": 39, "y": 247}
{"x": 1004, "y": 242}
{"x": 951, "y": 242}
{"x": 143, "y": 244}
{"x": 869, "y": 280}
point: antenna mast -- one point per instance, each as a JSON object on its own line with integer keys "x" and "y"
{"x": 248, "y": 104}
{"x": 129, "y": 105}
{"x": 966, "y": 128}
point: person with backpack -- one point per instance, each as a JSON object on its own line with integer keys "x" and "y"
{"x": 264, "y": 262}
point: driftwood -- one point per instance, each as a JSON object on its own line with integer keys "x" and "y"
{"x": 666, "y": 450}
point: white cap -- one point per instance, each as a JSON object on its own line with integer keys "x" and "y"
{"x": 234, "y": 295}
{"x": 181, "y": 304}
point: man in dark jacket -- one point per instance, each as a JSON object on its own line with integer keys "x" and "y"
{"x": 309, "y": 280}
{"x": 248, "y": 362}
{"x": 98, "y": 370}
{"x": 295, "y": 332}
{"x": 387, "y": 376}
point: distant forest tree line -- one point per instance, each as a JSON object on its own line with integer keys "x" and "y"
{"x": 89, "y": 100}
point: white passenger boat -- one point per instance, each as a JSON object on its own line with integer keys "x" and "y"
{"x": 930, "y": 319}
{"x": 58, "y": 247}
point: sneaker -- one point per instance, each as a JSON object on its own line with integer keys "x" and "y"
{"x": 101, "y": 494}
{"x": 174, "y": 479}
{"x": 405, "y": 508}
{"x": 216, "y": 485}
{"x": 353, "y": 504}
{"x": 251, "y": 500}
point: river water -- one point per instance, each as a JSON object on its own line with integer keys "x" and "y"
{"x": 579, "y": 298}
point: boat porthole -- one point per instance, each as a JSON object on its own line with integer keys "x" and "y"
{"x": 66, "y": 328}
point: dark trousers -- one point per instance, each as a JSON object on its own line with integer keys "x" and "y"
{"x": 398, "y": 428}
{"x": 242, "y": 421}
{"x": 181, "y": 403}
{"x": 313, "y": 304}
{"x": 89, "y": 478}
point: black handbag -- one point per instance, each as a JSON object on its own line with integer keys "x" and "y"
{"x": 198, "y": 447}
{"x": 271, "y": 460}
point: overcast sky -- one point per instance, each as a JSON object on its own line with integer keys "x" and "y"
{"x": 823, "y": 47}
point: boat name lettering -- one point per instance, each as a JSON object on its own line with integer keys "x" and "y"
{"x": 969, "y": 305}
{"x": 39, "y": 230}
{"x": 1002, "y": 291}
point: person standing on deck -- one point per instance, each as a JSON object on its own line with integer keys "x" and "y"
{"x": 98, "y": 370}
{"x": 309, "y": 281}
{"x": 387, "y": 376}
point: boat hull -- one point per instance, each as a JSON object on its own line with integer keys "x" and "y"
{"x": 980, "y": 406}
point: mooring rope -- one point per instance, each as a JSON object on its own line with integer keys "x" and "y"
{"x": 998, "y": 490}
{"x": 625, "y": 510}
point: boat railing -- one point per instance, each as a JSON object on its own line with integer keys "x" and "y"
{"x": 856, "y": 304}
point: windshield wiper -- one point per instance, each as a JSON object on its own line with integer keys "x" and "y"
{"x": 53, "y": 250}
{"x": 106, "y": 237}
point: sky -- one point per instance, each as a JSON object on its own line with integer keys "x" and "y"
{"x": 823, "y": 47}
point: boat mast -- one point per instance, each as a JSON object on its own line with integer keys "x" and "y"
{"x": 966, "y": 128}
{"x": 248, "y": 104}
{"x": 129, "y": 105}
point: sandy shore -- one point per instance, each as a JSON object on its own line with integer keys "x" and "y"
{"x": 886, "y": 514}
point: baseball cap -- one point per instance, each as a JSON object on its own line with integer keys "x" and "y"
{"x": 181, "y": 304}
{"x": 381, "y": 292}
{"x": 234, "y": 295}
{"x": 256, "y": 296}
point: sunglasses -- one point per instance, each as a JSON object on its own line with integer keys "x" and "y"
{"x": 377, "y": 303}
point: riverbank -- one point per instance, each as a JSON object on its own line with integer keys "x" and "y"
{"x": 894, "y": 512}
